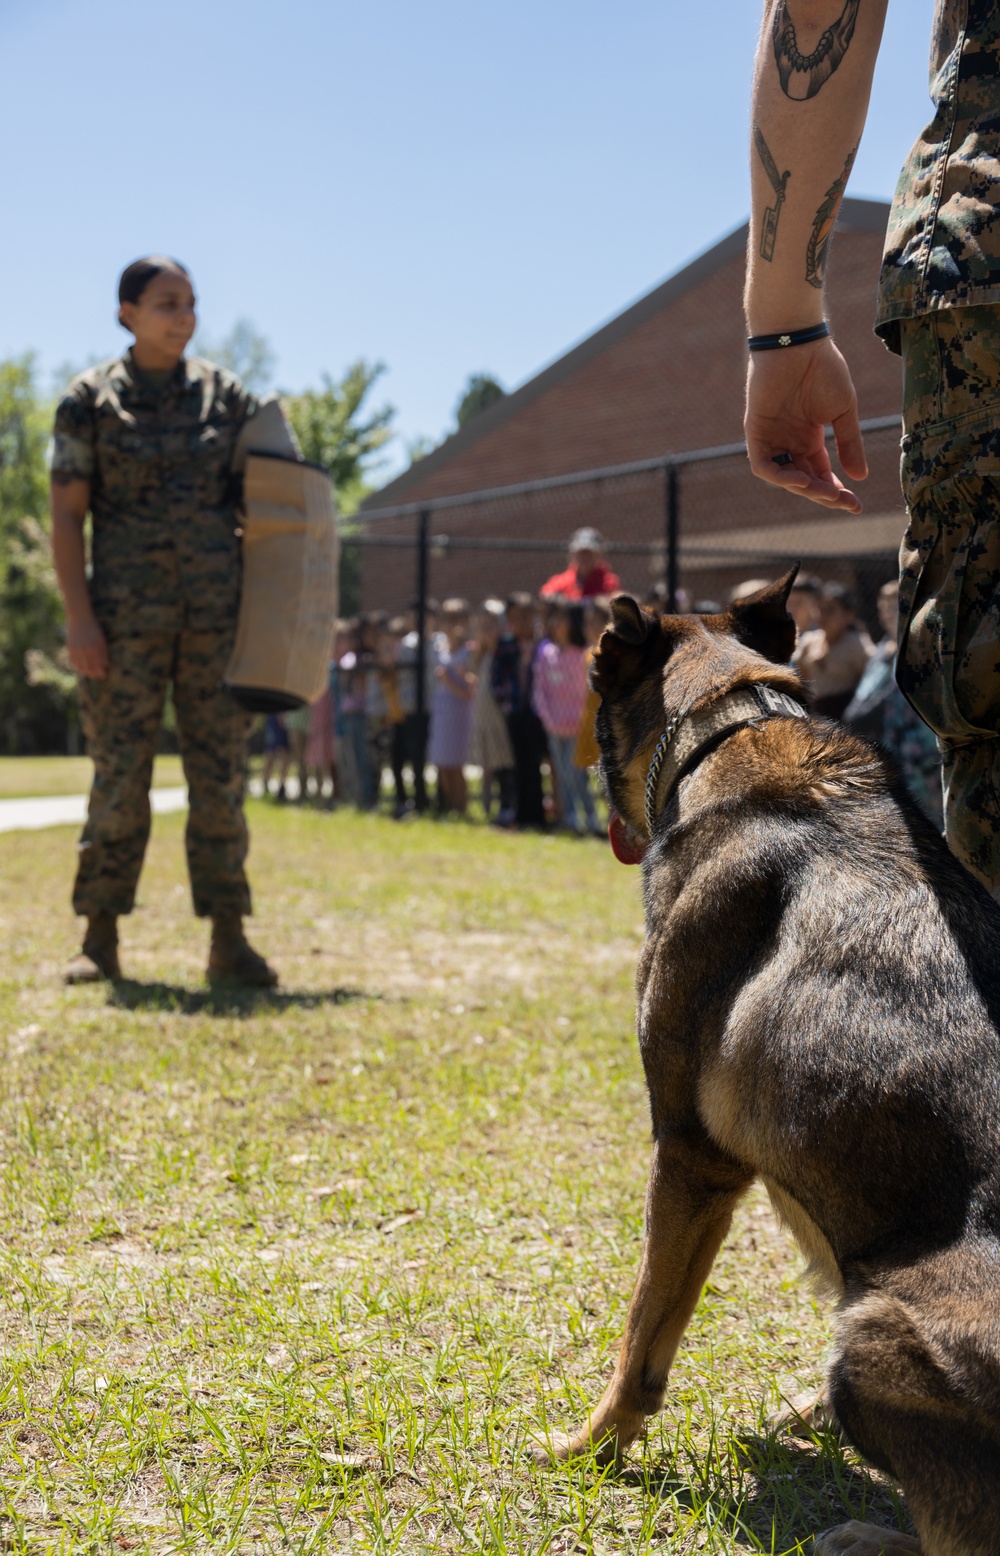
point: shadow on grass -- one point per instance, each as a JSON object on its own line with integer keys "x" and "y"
{"x": 224, "y": 999}
{"x": 780, "y": 1492}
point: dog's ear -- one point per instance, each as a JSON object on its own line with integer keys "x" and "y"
{"x": 620, "y": 652}
{"x": 628, "y": 621}
{"x": 762, "y": 622}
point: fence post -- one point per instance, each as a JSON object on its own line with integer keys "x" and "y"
{"x": 423, "y": 555}
{"x": 673, "y": 517}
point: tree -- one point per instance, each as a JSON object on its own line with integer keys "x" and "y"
{"x": 333, "y": 432}
{"x": 37, "y": 688}
{"x": 481, "y": 391}
{"x": 418, "y": 448}
{"x": 244, "y": 351}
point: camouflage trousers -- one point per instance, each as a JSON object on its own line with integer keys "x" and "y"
{"x": 949, "y": 592}
{"x": 121, "y": 718}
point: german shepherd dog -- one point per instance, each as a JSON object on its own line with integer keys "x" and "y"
{"x": 818, "y": 1006}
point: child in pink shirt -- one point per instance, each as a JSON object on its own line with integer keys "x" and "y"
{"x": 559, "y": 692}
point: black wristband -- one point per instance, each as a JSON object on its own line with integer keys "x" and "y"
{"x": 788, "y": 338}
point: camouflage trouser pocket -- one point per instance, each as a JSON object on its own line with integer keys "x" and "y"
{"x": 949, "y": 588}
{"x": 949, "y": 597}
{"x": 949, "y": 649}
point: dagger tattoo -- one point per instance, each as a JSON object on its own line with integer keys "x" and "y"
{"x": 769, "y": 230}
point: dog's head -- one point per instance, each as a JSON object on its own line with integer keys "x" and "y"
{"x": 648, "y": 668}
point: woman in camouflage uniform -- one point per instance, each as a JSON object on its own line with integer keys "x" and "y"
{"x": 144, "y": 443}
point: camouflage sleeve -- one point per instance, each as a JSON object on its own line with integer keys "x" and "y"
{"x": 71, "y": 457}
{"x": 241, "y": 403}
{"x": 247, "y": 405}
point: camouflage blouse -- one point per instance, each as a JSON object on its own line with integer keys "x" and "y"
{"x": 165, "y": 552}
{"x": 943, "y": 243}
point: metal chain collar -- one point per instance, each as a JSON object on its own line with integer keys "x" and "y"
{"x": 653, "y": 776}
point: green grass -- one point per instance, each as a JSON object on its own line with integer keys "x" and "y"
{"x": 305, "y": 1272}
{"x": 29, "y": 776}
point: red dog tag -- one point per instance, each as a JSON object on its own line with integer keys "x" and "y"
{"x": 625, "y": 852}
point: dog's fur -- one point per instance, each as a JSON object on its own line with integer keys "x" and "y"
{"x": 818, "y": 1007}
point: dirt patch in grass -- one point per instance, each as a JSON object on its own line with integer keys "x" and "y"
{"x": 306, "y": 1271}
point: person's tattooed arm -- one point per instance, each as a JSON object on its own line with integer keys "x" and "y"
{"x": 812, "y": 80}
{"x": 814, "y": 67}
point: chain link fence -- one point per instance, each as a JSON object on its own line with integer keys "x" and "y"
{"x": 690, "y": 526}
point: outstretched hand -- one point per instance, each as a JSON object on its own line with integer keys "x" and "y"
{"x": 792, "y": 396}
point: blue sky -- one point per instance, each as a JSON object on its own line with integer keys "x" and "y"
{"x": 445, "y": 187}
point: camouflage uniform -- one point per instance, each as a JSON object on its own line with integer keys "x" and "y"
{"x": 939, "y": 306}
{"x": 164, "y": 585}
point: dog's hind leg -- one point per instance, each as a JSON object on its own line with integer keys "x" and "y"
{"x": 915, "y": 1388}
{"x": 689, "y": 1204}
{"x": 806, "y": 1412}
{"x": 856, "y": 1539}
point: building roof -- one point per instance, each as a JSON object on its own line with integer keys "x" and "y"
{"x": 801, "y": 540}
{"x": 855, "y": 216}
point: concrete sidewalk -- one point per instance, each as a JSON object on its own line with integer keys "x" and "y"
{"x": 65, "y": 810}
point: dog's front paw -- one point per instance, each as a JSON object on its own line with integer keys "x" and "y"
{"x": 556, "y": 1450}
{"x": 856, "y": 1539}
{"x": 606, "y": 1435}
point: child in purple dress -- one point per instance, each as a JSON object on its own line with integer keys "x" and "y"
{"x": 451, "y": 708}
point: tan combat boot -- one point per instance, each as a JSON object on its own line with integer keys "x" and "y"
{"x": 232, "y": 959}
{"x": 98, "y": 958}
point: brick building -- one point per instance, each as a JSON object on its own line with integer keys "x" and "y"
{"x": 664, "y": 377}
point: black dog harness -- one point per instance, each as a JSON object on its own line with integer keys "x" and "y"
{"x": 687, "y": 735}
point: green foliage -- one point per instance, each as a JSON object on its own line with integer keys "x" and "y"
{"x": 481, "y": 391}
{"x": 333, "y": 431}
{"x": 244, "y": 351}
{"x": 37, "y": 687}
{"x": 23, "y": 431}
{"x": 418, "y": 448}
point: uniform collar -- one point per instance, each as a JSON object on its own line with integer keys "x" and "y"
{"x": 141, "y": 382}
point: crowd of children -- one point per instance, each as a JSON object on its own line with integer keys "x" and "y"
{"x": 505, "y": 693}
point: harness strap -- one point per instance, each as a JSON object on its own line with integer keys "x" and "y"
{"x": 688, "y": 733}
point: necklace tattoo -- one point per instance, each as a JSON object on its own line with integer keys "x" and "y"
{"x": 803, "y": 75}
{"x": 769, "y": 230}
{"x": 818, "y": 248}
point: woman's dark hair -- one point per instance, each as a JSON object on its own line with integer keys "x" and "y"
{"x": 136, "y": 277}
